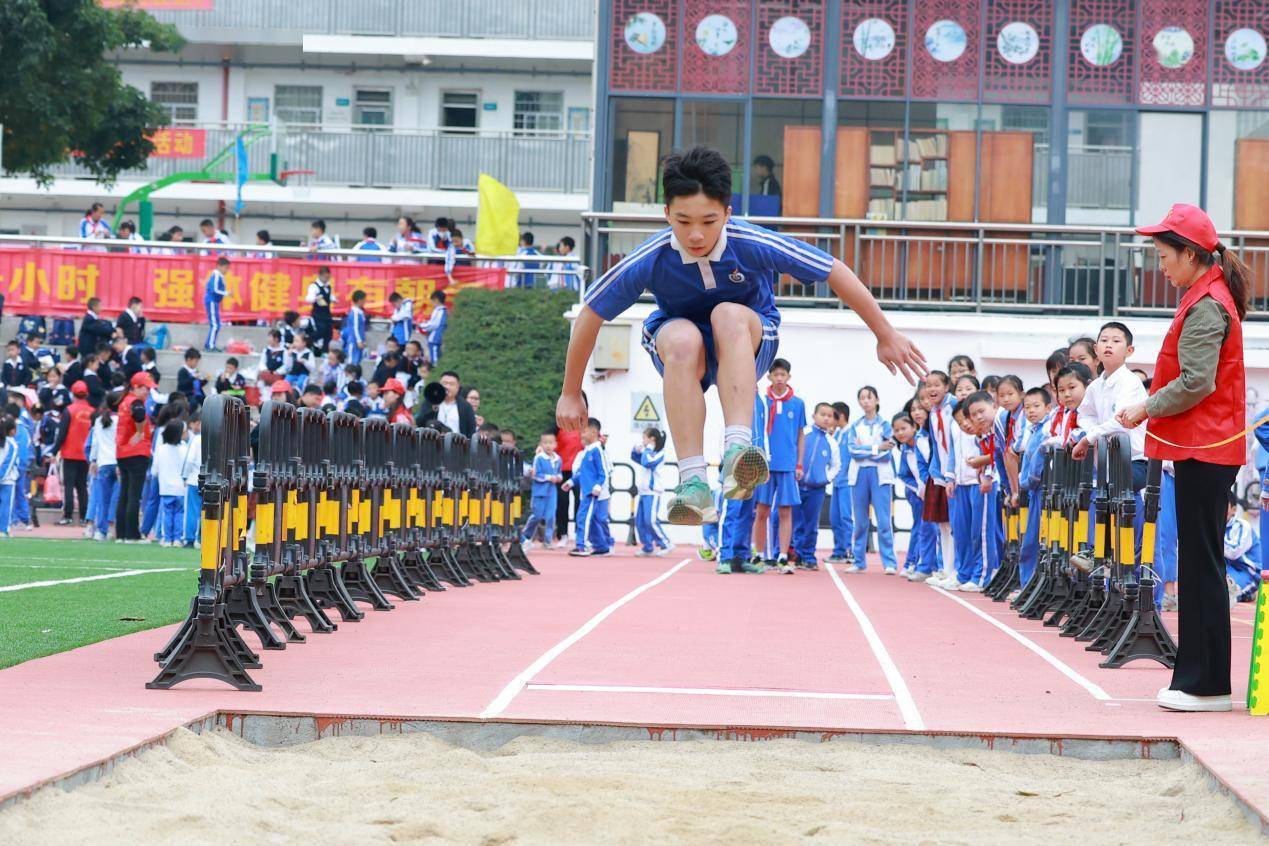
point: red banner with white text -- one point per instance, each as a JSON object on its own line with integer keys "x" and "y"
{"x": 58, "y": 283}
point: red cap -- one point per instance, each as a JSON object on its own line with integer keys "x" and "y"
{"x": 1189, "y": 222}
{"x": 281, "y": 387}
{"x": 395, "y": 386}
{"x": 80, "y": 388}
{"x": 143, "y": 380}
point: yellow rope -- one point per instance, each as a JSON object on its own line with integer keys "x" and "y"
{"x": 1228, "y": 440}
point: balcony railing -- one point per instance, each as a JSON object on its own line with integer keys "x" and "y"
{"x": 284, "y": 22}
{"x": 402, "y": 158}
{"x": 1096, "y": 177}
{"x": 974, "y": 267}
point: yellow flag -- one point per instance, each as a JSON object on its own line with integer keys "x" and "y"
{"x": 497, "y": 218}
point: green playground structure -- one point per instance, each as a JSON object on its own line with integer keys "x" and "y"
{"x": 213, "y": 170}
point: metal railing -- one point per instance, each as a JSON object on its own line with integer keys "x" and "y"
{"x": 365, "y": 157}
{"x": 975, "y": 267}
{"x": 282, "y": 22}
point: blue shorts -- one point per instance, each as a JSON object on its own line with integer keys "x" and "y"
{"x": 762, "y": 358}
{"x": 779, "y": 490}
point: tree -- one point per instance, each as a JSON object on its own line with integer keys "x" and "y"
{"x": 60, "y": 97}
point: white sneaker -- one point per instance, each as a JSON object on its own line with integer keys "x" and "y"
{"x": 889, "y": 571}
{"x": 99, "y": 537}
{"x": 1177, "y": 700}
{"x": 526, "y": 545}
{"x": 854, "y": 568}
{"x": 970, "y": 587}
{"x": 561, "y": 543}
{"x": 914, "y": 576}
{"x": 661, "y": 553}
{"x": 88, "y": 531}
{"x": 640, "y": 553}
{"x": 937, "y": 581}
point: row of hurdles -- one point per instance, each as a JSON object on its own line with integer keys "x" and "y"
{"x": 330, "y": 493}
{"x": 1110, "y": 604}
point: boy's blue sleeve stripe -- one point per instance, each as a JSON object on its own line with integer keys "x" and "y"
{"x": 625, "y": 281}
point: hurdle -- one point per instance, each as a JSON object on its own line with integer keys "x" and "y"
{"x": 332, "y": 493}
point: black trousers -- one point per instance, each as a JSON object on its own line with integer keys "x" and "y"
{"x": 323, "y": 330}
{"x": 562, "y": 514}
{"x": 74, "y": 481}
{"x": 132, "y": 472}
{"x": 1203, "y": 639}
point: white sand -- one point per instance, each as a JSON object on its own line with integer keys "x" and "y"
{"x": 413, "y": 788}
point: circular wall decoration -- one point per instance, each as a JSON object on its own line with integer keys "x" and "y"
{"x": 1173, "y": 46}
{"x": 874, "y": 39}
{"x": 716, "y": 35}
{"x": 1245, "y": 49}
{"x": 645, "y": 32}
{"x": 789, "y": 37}
{"x": 1101, "y": 45}
{"x": 1018, "y": 42}
{"x": 945, "y": 41}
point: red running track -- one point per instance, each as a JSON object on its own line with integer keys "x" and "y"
{"x": 656, "y": 642}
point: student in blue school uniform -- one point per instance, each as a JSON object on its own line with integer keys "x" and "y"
{"x": 402, "y": 317}
{"x": 1242, "y": 556}
{"x": 370, "y": 245}
{"x": 8, "y": 471}
{"x": 526, "y": 248}
{"x": 590, "y": 478}
{"x": 736, "y": 516}
{"x": 913, "y": 460}
{"x": 353, "y": 332}
{"x": 648, "y": 459}
{"x": 941, "y": 471}
{"x": 785, "y": 424}
{"x": 871, "y": 479}
{"x": 601, "y": 536}
{"x": 840, "y": 506}
{"x": 213, "y": 294}
{"x": 1037, "y": 406}
{"x": 546, "y": 474}
{"x": 434, "y": 327}
{"x": 819, "y": 467}
{"x": 981, "y": 412}
{"x": 716, "y": 322}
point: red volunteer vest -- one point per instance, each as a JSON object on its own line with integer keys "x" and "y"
{"x": 1222, "y": 413}
{"x": 81, "y": 422}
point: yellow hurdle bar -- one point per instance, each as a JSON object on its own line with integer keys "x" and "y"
{"x": 264, "y": 523}
{"x": 1147, "y": 543}
{"x": 1126, "y": 553}
{"x": 1099, "y": 540}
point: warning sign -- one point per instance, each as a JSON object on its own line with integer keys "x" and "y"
{"x": 646, "y": 410}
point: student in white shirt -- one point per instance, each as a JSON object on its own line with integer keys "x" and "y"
{"x": 190, "y": 464}
{"x": 128, "y": 232}
{"x": 169, "y": 462}
{"x": 264, "y": 246}
{"x": 318, "y": 240}
{"x": 1116, "y": 389}
{"x": 211, "y": 235}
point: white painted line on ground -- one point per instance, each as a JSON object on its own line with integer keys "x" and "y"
{"x": 1244, "y": 622}
{"x": 56, "y": 582}
{"x": 64, "y": 566}
{"x": 903, "y": 697}
{"x": 1048, "y": 657}
{"x": 513, "y": 688}
{"x": 707, "y": 691}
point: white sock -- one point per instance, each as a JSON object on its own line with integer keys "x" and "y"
{"x": 692, "y": 467}
{"x": 949, "y": 551}
{"x": 737, "y": 436}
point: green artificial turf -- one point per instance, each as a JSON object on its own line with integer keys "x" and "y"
{"x": 40, "y": 621}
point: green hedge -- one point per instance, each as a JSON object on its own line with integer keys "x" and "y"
{"x": 510, "y": 345}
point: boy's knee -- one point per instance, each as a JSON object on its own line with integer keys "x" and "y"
{"x": 733, "y": 320}
{"x": 679, "y": 341}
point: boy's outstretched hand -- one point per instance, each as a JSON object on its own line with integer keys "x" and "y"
{"x": 900, "y": 355}
{"x": 570, "y": 412}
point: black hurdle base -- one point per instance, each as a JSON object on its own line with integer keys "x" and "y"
{"x": 517, "y": 558}
{"x": 327, "y": 590}
{"x": 391, "y": 581}
{"x": 419, "y": 571}
{"x": 1144, "y": 636}
{"x": 446, "y": 567}
{"x": 243, "y": 609}
{"x": 267, "y": 597}
{"x": 294, "y": 601}
{"x": 360, "y": 586}
{"x": 205, "y": 649}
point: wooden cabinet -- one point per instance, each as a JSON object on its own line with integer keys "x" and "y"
{"x": 1251, "y": 206}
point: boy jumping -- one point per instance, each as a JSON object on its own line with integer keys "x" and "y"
{"x": 716, "y": 322}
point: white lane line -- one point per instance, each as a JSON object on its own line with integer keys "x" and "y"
{"x": 56, "y": 582}
{"x": 1048, "y": 657}
{"x": 903, "y": 697}
{"x": 64, "y": 566}
{"x": 707, "y": 691}
{"x": 513, "y": 688}
{"x": 1251, "y": 623}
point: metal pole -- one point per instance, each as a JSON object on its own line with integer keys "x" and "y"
{"x": 1059, "y": 143}
{"x": 600, "y": 190}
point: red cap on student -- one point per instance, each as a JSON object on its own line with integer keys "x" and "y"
{"x": 80, "y": 388}
{"x": 143, "y": 380}
{"x": 281, "y": 387}
{"x": 395, "y": 386}
{"x": 1189, "y": 222}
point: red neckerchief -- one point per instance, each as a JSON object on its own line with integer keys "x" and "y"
{"x": 777, "y": 404}
{"x": 1009, "y": 421}
{"x": 938, "y": 415}
{"x": 987, "y": 445}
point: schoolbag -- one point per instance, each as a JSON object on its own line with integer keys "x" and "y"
{"x": 31, "y": 323}
{"x": 63, "y": 333}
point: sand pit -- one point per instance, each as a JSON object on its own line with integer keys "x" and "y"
{"x": 416, "y": 788}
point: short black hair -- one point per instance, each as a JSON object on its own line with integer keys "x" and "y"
{"x": 527, "y": 237}
{"x": 842, "y": 408}
{"x": 990, "y": 382}
{"x": 192, "y": 353}
{"x": 370, "y": 232}
{"x": 765, "y": 161}
{"x": 311, "y": 388}
{"x": 941, "y": 376}
{"x": 568, "y": 241}
{"x": 441, "y": 222}
{"x": 231, "y": 360}
{"x": 438, "y": 297}
{"x": 451, "y": 373}
{"x": 593, "y": 423}
{"x": 827, "y": 405}
{"x": 976, "y": 397}
{"x": 903, "y": 416}
{"x": 358, "y": 295}
{"x": 1115, "y": 324}
{"x": 263, "y": 235}
{"x": 222, "y": 262}
{"x": 1078, "y": 370}
{"x": 318, "y": 224}
{"x": 700, "y": 170}
{"x": 1041, "y": 392}
{"x": 780, "y": 364}
{"x": 207, "y": 221}
{"x": 962, "y": 359}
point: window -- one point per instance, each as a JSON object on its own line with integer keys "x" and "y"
{"x": 460, "y": 110}
{"x": 179, "y": 99}
{"x": 372, "y": 106}
{"x": 539, "y": 110}
{"x": 783, "y": 130}
{"x": 298, "y": 103}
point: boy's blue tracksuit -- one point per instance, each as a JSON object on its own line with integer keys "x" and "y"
{"x": 819, "y": 467}
{"x": 913, "y": 463}
{"x": 841, "y": 507}
{"x": 1030, "y": 472}
{"x": 25, "y": 437}
{"x": 9, "y": 474}
{"x": 647, "y": 523}
{"x": 871, "y": 477}
{"x": 592, "y": 510}
{"x": 546, "y": 467}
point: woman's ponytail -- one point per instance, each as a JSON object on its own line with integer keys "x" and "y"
{"x": 1237, "y": 277}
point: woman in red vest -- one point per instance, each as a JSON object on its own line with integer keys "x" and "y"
{"x": 1197, "y": 398}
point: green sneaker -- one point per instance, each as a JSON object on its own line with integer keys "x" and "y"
{"x": 723, "y": 568}
{"x": 706, "y": 553}
{"x": 752, "y": 567}
{"x": 744, "y": 468}
{"x": 692, "y": 504}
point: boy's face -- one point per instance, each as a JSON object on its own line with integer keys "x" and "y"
{"x": 207, "y": 231}
{"x": 824, "y": 417}
{"x": 230, "y": 369}
{"x": 547, "y": 443}
{"x": 373, "y": 389}
{"x": 589, "y": 435}
{"x": 935, "y": 390}
{"x": 508, "y": 439}
{"x": 981, "y": 416}
{"x": 11, "y": 350}
{"x": 1035, "y": 408}
{"x": 963, "y": 422}
{"x": 563, "y": 249}
{"x": 1112, "y": 348}
{"x": 332, "y": 357}
{"x": 178, "y": 235}
{"x": 1070, "y": 392}
{"x": 315, "y": 233}
{"x": 697, "y": 222}
{"x": 779, "y": 379}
